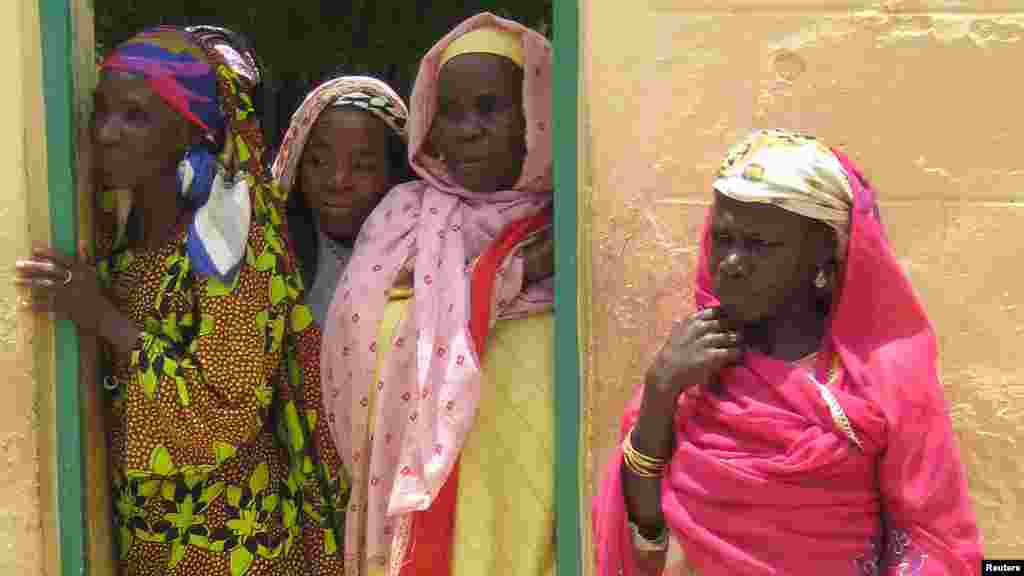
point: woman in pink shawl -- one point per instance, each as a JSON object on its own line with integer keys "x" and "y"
{"x": 795, "y": 424}
{"x": 437, "y": 354}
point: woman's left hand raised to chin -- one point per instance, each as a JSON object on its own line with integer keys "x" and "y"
{"x": 72, "y": 290}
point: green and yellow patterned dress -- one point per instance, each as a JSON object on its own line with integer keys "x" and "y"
{"x": 221, "y": 463}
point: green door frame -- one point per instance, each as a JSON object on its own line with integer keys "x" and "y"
{"x": 57, "y": 42}
{"x": 58, "y": 92}
{"x": 567, "y": 366}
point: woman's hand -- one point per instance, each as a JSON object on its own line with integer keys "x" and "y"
{"x": 540, "y": 257}
{"x": 62, "y": 285}
{"x": 405, "y": 276}
{"x": 73, "y": 291}
{"x": 696, "y": 350}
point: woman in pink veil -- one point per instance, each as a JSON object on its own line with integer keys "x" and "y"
{"x": 438, "y": 345}
{"x": 795, "y": 424}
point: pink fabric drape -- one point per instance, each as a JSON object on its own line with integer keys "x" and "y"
{"x": 762, "y": 482}
{"x": 428, "y": 391}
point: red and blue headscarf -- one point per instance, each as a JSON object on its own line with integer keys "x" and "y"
{"x": 178, "y": 70}
{"x": 175, "y": 67}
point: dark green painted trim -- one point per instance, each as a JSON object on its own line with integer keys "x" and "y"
{"x": 567, "y": 369}
{"x": 58, "y": 90}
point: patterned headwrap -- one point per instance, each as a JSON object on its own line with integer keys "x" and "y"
{"x": 234, "y": 49}
{"x": 792, "y": 171}
{"x": 214, "y": 176}
{"x": 361, "y": 92}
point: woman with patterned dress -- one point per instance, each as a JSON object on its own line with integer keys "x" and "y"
{"x": 210, "y": 352}
{"x": 795, "y": 424}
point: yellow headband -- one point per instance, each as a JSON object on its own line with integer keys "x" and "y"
{"x": 486, "y": 41}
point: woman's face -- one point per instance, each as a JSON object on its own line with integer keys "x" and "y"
{"x": 764, "y": 259}
{"x": 344, "y": 170}
{"x": 136, "y": 135}
{"x": 480, "y": 128}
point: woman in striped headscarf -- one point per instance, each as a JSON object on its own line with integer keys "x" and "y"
{"x": 215, "y": 469}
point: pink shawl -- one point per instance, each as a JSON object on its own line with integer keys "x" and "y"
{"x": 762, "y": 482}
{"x": 427, "y": 394}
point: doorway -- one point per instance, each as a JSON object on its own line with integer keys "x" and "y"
{"x": 383, "y": 38}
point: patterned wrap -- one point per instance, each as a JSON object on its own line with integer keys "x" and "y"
{"x": 221, "y": 461}
{"x": 213, "y": 174}
{"x": 429, "y": 388}
{"x": 792, "y": 171}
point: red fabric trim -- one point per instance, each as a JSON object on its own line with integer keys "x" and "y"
{"x": 430, "y": 543}
{"x": 482, "y": 282}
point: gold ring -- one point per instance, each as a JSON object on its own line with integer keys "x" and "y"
{"x": 67, "y": 276}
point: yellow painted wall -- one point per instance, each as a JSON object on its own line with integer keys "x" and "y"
{"x": 27, "y": 501}
{"x": 923, "y": 95}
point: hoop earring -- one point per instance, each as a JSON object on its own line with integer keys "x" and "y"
{"x": 820, "y": 281}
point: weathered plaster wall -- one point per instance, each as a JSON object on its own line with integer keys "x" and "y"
{"x": 923, "y": 95}
{"x": 22, "y": 218}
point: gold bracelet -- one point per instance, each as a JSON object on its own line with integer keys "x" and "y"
{"x": 641, "y": 457}
{"x": 640, "y": 464}
{"x": 639, "y": 471}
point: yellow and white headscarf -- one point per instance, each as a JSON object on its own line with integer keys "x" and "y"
{"x": 792, "y": 171}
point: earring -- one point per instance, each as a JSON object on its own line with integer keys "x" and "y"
{"x": 820, "y": 281}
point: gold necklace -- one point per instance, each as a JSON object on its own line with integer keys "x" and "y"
{"x": 838, "y": 416}
{"x": 807, "y": 363}
{"x": 806, "y": 360}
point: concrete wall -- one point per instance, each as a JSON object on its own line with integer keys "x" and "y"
{"x": 923, "y": 95}
{"x": 26, "y": 501}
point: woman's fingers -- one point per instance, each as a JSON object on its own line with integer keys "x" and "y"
{"x": 38, "y": 294}
{"x": 36, "y": 268}
{"x": 710, "y": 320}
{"x": 35, "y": 282}
{"x": 703, "y": 328}
{"x": 718, "y": 358}
{"x": 39, "y": 264}
{"x": 706, "y": 314}
{"x": 720, "y": 340}
{"x": 46, "y": 253}
{"x": 40, "y": 303}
